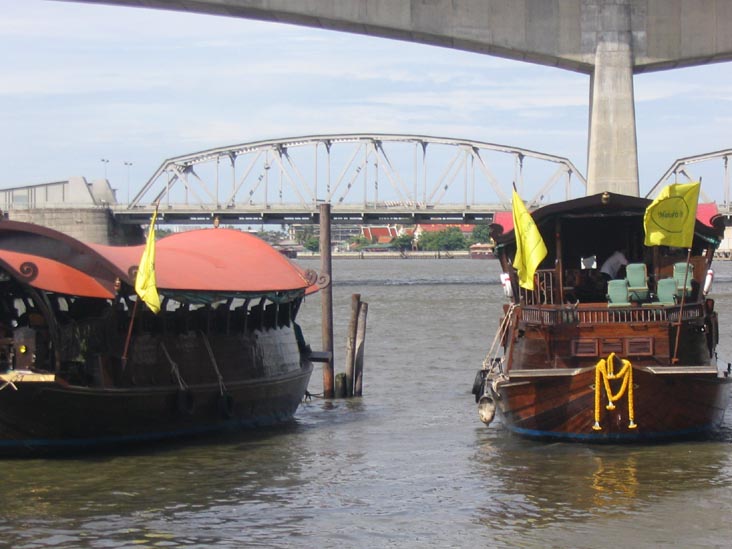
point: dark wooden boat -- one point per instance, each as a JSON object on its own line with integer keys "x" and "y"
{"x": 633, "y": 361}
{"x": 76, "y": 371}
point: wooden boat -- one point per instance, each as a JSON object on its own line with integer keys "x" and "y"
{"x": 633, "y": 361}
{"x": 482, "y": 251}
{"x": 77, "y": 371}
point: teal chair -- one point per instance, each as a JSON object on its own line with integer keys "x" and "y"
{"x": 666, "y": 291}
{"x": 637, "y": 281}
{"x": 680, "y": 275}
{"x": 617, "y": 293}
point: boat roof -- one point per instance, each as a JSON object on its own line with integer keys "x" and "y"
{"x": 708, "y": 220}
{"x": 214, "y": 261}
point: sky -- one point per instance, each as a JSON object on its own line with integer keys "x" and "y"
{"x": 80, "y": 83}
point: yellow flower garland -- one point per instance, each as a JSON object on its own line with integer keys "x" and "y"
{"x": 604, "y": 373}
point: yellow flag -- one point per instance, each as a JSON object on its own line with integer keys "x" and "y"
{"x": 530, "y": 248}
{"x": 145, "y": 284}
{"x": 669, "y": 220}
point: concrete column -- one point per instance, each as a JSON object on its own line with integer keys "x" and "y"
{"x": 612, "y": 163}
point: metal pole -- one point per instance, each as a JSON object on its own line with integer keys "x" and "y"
{"x": 315, "y": 176}
{"x": 232, "y": 159}
{"x": 726, "y": 182}
{"x": 424, "y": 173}
{"x": 266, "y": 175}
{"x": 675, "y": 358}
{"x": 327, "y": 150}
{"x": 465, "y": 182}
{"x": 326, "y": 300}
{"x": 128, "y": 164}
{"x": 416, "y": 177}
{"x": 218, "y": 204}
{"x": 365, "y": 174}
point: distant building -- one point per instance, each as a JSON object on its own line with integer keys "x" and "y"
{"x": 73, "y": 192}
{"x": 465, "y": 228}
{"x": 338, "y": 233}
{"x": 379, "y": 234}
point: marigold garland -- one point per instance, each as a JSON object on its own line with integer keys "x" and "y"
{"x": 604, "y": 373}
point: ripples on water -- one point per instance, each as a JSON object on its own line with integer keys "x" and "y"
{"x": 407, "y": 465}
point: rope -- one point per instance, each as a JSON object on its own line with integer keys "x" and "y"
{"x": 500, "y": 333}
{"x": 174, "y": 368}
{"x": 604, "y": 373}
{"x": 222, "y": 387}
{"x": 8, "y": 384}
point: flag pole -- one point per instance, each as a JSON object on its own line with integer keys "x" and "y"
{"x": 142, "y": 291}
{"x": 129, "y": 334}
{"x": 674, "y": 359}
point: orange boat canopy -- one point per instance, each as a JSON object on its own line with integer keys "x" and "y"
{"x": 220, "y": 262}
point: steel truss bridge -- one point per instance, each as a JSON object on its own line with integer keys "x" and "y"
{"x": 367, "y": 179}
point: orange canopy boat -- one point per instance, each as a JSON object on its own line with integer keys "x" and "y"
{"x": 91, "y": 367}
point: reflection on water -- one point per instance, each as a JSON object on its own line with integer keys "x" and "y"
{"x": 407, "y": 465}
{"x": 545, "y": 486}
{"x": 615, "y": 482}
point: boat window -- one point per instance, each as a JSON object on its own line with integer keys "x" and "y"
{"x": 62, "y": 304}
{"x": 589, "y": 262}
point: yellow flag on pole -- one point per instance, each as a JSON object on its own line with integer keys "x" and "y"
{"x": 145, "y": 284}
{"x": 670, "y": 218}
{"x": 530, "y": 247}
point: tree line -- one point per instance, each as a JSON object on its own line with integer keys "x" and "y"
{"x": 448, "y": 239}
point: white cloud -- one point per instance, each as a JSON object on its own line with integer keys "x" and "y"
{"x": 91, "y": 80}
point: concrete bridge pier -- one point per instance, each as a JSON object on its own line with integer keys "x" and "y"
{"x": 612, "y": 153}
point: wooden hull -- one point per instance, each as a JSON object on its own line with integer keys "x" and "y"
{"x": 555, "y": 357}
{"x": 173, "y": 385}
{"x": 669, "y": 403}
{"x": 53, "y": 416}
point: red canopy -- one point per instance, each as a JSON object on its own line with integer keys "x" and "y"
{"x": 213, "y": 260}
{"x": 207, "y": 261}
{"x": 50, "y": 275}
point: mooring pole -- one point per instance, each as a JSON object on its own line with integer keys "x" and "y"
{"x": 363, "y": 311}
{"x": 351, "y": 344}
{"x": 326, "y": 296}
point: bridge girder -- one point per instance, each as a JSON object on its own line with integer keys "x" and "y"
{"x": 363, "y": 176}
{"x": 667, "y": 34}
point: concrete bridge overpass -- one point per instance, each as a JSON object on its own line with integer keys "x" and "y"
{"x": 611, "y": 40}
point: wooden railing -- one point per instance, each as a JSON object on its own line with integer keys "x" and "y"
{"x": 551, "y": 316}
{"x": 544, "y": 291}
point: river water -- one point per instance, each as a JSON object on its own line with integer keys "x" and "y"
{"x": 407, "y": 465}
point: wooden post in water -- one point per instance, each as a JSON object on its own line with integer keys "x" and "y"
{"x": 360, "y": 341}
{"x": 351, "y": 343}
{"x": 326, "y": 296}
{"x": 340, "y": 385}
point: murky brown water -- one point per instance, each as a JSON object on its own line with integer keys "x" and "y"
{"x": 409, "y": 465}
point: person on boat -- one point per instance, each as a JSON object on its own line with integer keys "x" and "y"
{"x": 612, "y": 265}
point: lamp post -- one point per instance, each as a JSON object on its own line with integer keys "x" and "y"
{"x": 105, "y": 161}
{"x": 128, "y": 164}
